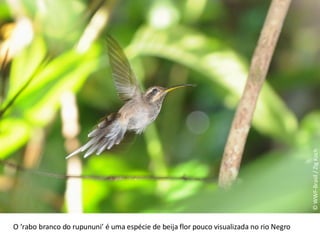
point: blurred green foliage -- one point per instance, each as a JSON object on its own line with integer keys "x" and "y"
{"x": 208, "y": 43}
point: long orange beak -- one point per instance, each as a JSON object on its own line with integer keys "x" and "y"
{"x": 178, "y": 86}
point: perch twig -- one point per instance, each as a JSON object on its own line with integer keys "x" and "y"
{"x": 260, "y": 62}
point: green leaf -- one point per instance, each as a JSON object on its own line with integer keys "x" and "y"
{"x": 309, "y": 132}
{"x": 38, "y": 102}
{"x": 182, "y": 189}
{"x": 14, "y": 133}
{"x": 25, "y": 64}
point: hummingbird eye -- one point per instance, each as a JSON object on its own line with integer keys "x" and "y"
{"x": 154, "y": 91}
{"x": 153, "y": 94}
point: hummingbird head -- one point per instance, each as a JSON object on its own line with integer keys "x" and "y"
{"x": 156, "y": 94}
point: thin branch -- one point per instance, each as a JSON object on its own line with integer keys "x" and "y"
{"x": 26, "y": 84}
{"x": 107, "y": 177}
{"x": 3, "y": 78}
{"x": 258, "y": 70}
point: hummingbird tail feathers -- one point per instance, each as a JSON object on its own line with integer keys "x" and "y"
{"x": 109, "y": 132}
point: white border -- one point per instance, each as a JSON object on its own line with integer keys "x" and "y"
{"x": 160, "y": 225}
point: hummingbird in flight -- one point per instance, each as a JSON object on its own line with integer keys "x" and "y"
{"x": 139, "y": 110}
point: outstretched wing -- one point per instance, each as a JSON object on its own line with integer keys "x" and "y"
{"x": 123, "y": 76}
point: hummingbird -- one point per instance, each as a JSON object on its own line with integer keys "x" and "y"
{"x": 139, "y": 110}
